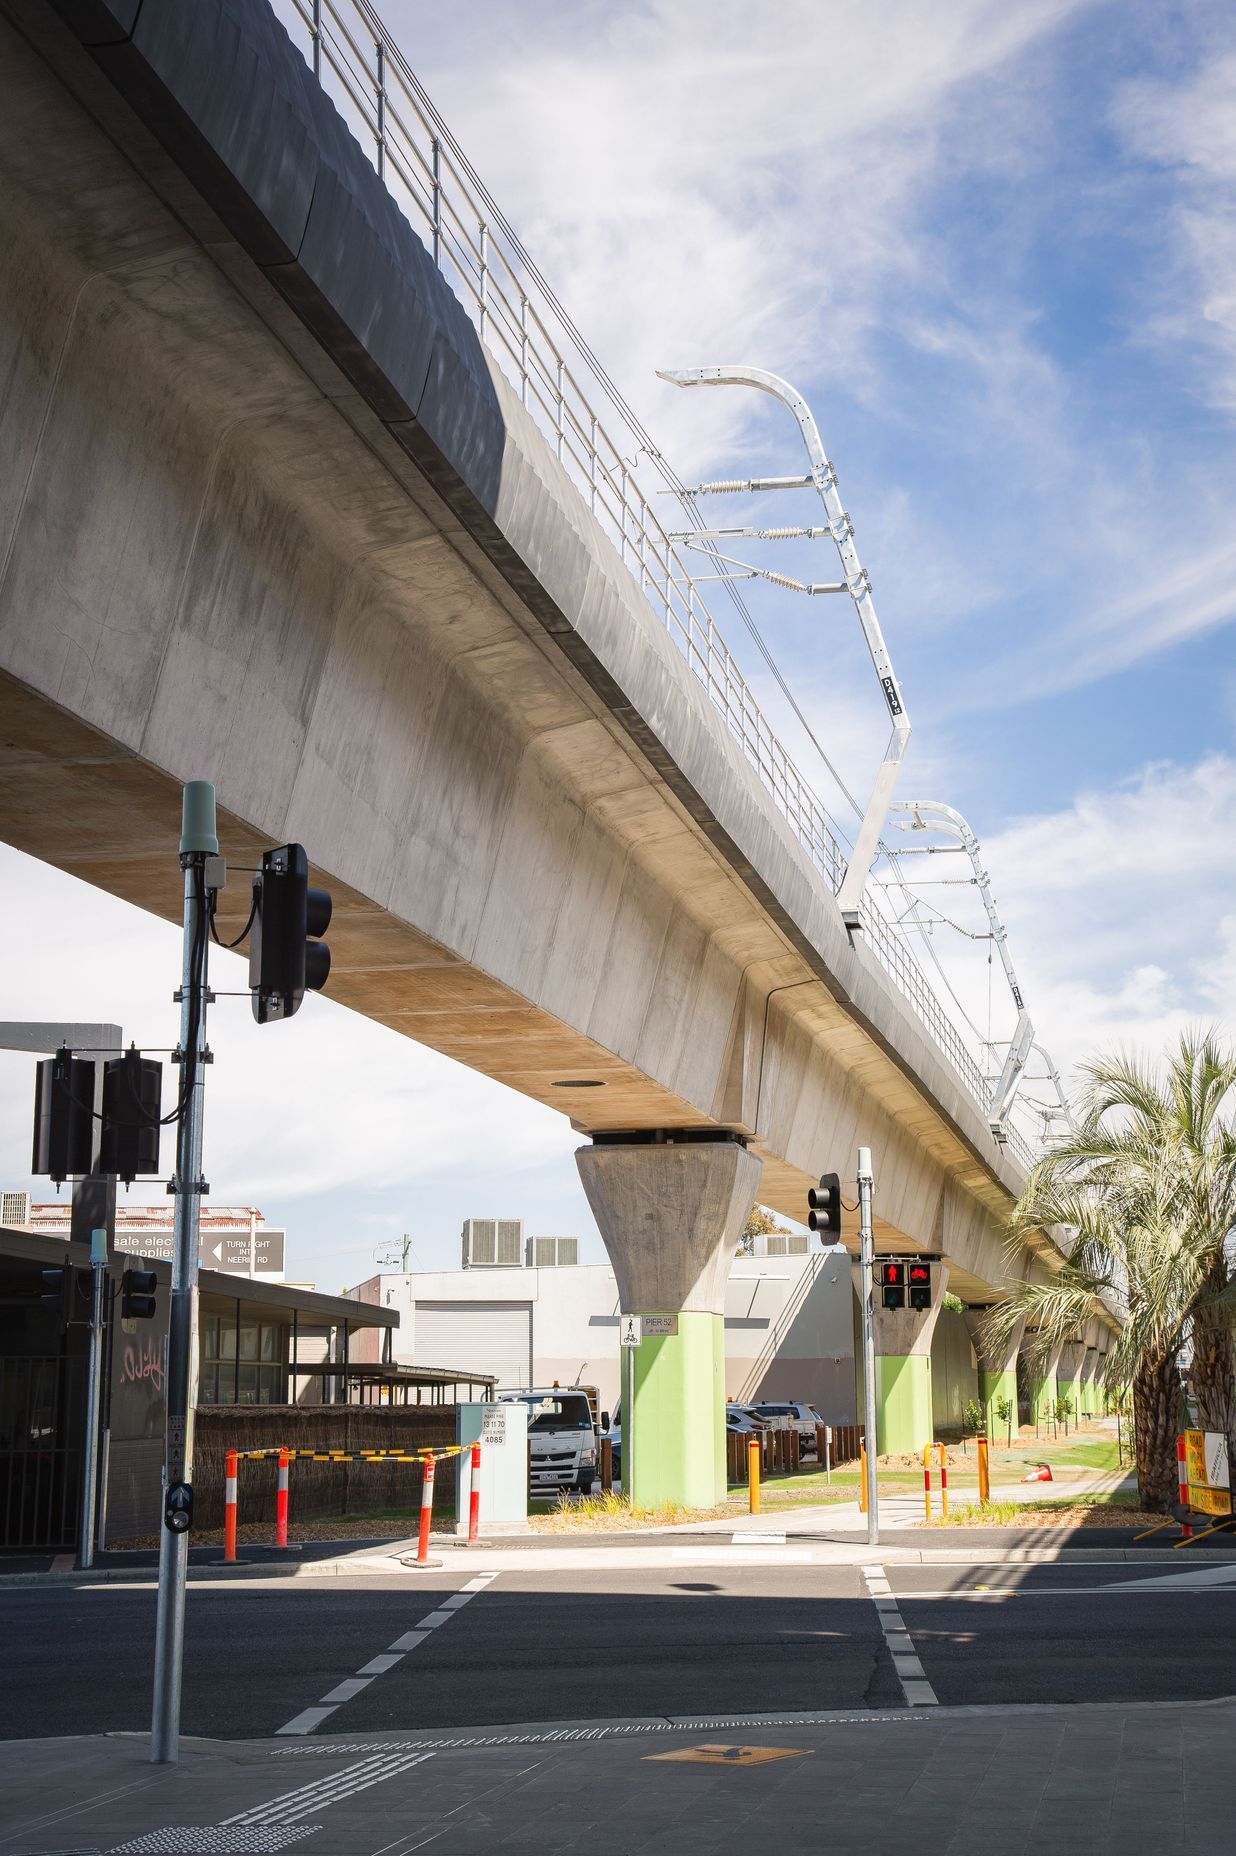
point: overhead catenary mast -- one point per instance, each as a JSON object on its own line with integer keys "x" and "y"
{"x": 933, "y": 815}
{"x": 823, "y": 479}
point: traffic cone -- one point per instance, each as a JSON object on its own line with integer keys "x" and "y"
{"x": 1041, "y": 1474}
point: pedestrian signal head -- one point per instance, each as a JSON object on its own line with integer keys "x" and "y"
{"x": 824, "y": 1202}
{"x": 893, "y": 1284}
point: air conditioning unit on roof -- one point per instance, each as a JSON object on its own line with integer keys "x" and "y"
{"x": 493, "y": 1243}
{"x": 547, "y": 1253}
{"x": 14, "y": 1209}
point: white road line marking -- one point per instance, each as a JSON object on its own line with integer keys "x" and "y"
{"x": 741, "y": 1556}
{"x": 755, "y": 1538}
{"x": 311, "y": 1718}
{"x": 344, "y": 1691}
{"x": 909, "y": 1670}
{"x": 305, "y": 1721}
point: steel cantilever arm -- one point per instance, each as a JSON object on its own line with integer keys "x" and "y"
{"x": 850, "y": 895}
{"x": 933, "y": 815}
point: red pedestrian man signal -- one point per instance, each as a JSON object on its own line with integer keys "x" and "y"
{"x": 893, "y": 1284}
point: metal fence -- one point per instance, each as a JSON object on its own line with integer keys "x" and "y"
{"x": 40, "y": 1450}
{"x": 541, "y": 354}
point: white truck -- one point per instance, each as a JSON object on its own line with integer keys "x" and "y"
{"x": 564, "y": 1434}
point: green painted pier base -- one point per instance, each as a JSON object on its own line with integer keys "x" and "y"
{"x": 903, "y": 1402}
{"x": 993, "y": 1386}
{"x": 1043, "y": 1394}
{"x": 673, "y": 1416}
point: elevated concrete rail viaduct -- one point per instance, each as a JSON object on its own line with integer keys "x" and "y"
{"x": 269, "y": 515}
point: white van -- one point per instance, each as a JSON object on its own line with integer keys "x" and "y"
{"x": 564, "y": 1426}
{"x": 791, "y": 1417}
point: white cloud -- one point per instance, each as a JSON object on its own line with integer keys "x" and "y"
{"x": 700, "y": 184}
{"x": 1188, "y": 127}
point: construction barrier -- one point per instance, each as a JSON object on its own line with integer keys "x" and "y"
{"x": 229, "y": 1508}
{"x": 426, "y": 1458}
{"x": 474, "y": 1498}
{"x": 281, "y": 1502}
{"x": 422, "y": 1543}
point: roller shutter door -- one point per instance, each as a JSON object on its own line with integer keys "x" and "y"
{"x": 479, "y": 1337}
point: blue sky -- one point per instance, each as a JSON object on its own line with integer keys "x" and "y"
{"x": 996, "y": 248}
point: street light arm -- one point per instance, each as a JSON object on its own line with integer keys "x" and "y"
{"x": 824, "y": 478}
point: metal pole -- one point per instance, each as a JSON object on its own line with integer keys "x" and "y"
{"x": 866, "y": 1278}
{"x": 198, "y": 841}
{"x": 94, "y": 1400}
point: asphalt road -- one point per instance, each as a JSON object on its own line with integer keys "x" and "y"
{"x": 581, "y": 1645}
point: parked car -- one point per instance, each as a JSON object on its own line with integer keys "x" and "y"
{"x": 793, "y": 1416}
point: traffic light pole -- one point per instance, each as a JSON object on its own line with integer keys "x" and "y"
{"x": 866, "y": 1269}
{"x": 94, "y": 1400}
{"x": 198, "y": 843}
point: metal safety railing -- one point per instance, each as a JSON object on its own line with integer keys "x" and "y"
{"x": 538, "y": 350}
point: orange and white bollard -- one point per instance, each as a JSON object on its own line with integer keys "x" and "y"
{"x": 474, "y": 1499}
{"x": 230, "y": 1466}
{"x": 281, "y": 1501}
{"x": 422, "y": 1543}
{"x": 1182, "y": 1478}
{"x": 943, "y": 1481}
{"x": 927, "y": 1481}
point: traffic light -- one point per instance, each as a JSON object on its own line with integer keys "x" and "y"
{"x": 57, "y": 1294}
{"x": 63, "y": 1113}
{"x": 825, "y": 1203}
{"x": 286, "y": 953}
{"x": 920, "y": 1285}
{"x": 132, "y": 1105}
{"x": 137, "y": 1295}
{"x": 893, "y": 1284}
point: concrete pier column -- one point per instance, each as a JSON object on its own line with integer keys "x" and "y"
{"x": 1069, "y": 1375}
{"x": 1044, "y": 1386}
{"x": 671, "y": 1211}
{"x": 997, "y": 1365}
{"x": 904, "y": 1417}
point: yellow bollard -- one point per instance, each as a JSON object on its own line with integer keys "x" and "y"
{"x": 862, "y": 1478}
{"x": 984, "y": 1475}
{"x": 927, "y": 1481}
{"x": 753, "y": 1475}
{"x": 943, "y": 1480}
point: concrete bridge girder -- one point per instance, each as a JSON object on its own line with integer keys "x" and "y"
{"x": 310, "y": 606}
{"x": 224, "y": 559}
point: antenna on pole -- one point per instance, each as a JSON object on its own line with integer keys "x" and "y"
{"x": 857, "y": 584}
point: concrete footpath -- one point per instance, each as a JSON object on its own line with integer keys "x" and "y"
{"x": 1130, "y": 1780}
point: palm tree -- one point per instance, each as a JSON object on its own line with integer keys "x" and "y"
{"x": 1143, "y": 1194}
